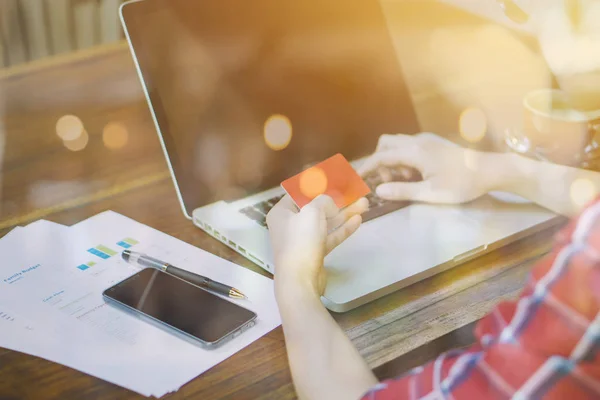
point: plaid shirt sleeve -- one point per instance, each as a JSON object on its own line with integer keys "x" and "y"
{"x": 545, "y": 345}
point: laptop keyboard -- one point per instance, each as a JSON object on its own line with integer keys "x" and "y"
{"x": 258, "y": 212}
{"x": 377, "y": 206}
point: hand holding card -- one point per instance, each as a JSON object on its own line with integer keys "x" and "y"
{"x": 333, "y": 177}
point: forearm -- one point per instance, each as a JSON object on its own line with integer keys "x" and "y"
{"x": 561, "y": 189}
{"x": 323, "y": 361}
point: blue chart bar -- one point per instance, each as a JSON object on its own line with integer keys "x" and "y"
{"x": 125, "y": 245}
{"x": 83, "y": 267}
{"x": 99, "y": 253}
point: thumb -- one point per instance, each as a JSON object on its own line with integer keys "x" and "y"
{"x": 414, "y": 191}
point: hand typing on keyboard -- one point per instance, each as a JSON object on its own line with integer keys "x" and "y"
{"x": 450, "y": 174}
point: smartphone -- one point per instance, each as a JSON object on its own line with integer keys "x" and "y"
{"x": 334, "y": 177}
{"x": 180, "y": 307}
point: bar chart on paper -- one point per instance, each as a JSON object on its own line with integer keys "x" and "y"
{"x": 127, "y": 243}
{"x": 104, "y": 252}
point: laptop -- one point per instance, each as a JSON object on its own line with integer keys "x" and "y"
{"x": 245, "y": 94}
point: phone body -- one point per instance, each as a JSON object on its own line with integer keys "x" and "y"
{"x": 180, "y": 307}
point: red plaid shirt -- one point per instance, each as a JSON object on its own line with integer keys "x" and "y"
{"x": 545, "y": 345}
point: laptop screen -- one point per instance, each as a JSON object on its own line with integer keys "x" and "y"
{"x": 249, "y": 93}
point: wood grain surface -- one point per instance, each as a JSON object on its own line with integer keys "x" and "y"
{"x": 41, "y": 178}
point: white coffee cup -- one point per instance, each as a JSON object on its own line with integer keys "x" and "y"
{"x": 555, "y": 131}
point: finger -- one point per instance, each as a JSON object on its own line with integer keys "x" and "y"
{"x": 338, "y": 236}
{"x": 287, "y": 203}
{"x": 387, "y": 142}
{"x": 324, "y": 204}
{"x": 390, "y": 158}
{"x": 413, "y": 191}
{"x": 385, "y": 174}
{"x": 356, "y": 208}
{"x": 284, "y": 206}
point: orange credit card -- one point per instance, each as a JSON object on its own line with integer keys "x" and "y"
{"x": 334, "y": 177}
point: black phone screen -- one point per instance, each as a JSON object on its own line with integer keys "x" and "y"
{"x": 181, "y": 305}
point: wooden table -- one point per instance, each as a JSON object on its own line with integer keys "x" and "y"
{"x": 42, "y": 179}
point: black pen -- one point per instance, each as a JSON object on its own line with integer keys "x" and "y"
{"x": 146, "y": 261}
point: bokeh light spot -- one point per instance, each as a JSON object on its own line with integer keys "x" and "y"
{"x": 313, "y": 182}
{"x": 78, "y": 144}
{"x": 115, "y": 136}
{"x": 278, "y": 132}
{"x": 583, "y": 191}
{"x": 472, "y": 125}
{"x": 69, "y": 127}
